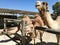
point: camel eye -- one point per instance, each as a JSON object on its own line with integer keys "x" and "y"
{"x": 43, "y": 3}
{"x": 31, "y": 27}
{"x": 38, "y": 5}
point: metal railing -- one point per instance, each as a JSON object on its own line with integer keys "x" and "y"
{"x": 19, "y": 21}
{"x": 53, "y": 31}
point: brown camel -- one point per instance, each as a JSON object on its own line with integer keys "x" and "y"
{"x": 46, "y": 17}
{"x": 29, "y": 26}
{"x": 37, "y": 21}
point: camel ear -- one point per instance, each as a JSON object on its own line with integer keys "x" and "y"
{"x": 46, "y": 5}
{"x": 43, "y": 3}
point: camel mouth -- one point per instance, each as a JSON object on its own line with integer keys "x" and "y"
{"x": 37, "y": 6}
{"x": 29, "y": 34}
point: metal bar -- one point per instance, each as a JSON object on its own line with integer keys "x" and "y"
{"x": 5, "y": 32}
{"x": 12, "y": 39}
{"x": 57, "y": 32}
{"x": 13, "y": 20}
{"x": 5, "y": 25}
{"x": 48, "y": 30}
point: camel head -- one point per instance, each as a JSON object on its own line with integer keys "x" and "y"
{"x": 29, "y": 26}
{"x": 27, "y": 19}
{"x": 41, "y": 6}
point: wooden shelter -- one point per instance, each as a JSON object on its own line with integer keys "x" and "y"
{"x": 12, "y": 14}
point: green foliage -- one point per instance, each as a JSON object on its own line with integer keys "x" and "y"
{"x": 56, "y": 7}
{"x": 29, "y": 16}
{"x": 20, "y": 17}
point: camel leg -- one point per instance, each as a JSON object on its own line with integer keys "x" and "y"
{"x": 41, "y": 34}
{"x": 58, "y": 39}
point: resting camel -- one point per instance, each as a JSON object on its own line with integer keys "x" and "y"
{"x": 46, "y": 16}
{"x": 37, "y": 21}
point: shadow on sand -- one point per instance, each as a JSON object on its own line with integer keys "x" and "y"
{"x": 27, "y": 41}
{"x": 44, "y": 43}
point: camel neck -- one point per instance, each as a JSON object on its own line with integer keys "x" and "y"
{"x": 47, "y": 18}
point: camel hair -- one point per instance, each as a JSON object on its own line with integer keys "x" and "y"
{"x": 46, "y": 16}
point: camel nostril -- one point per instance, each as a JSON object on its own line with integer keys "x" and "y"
{"x": 31, "y": 27}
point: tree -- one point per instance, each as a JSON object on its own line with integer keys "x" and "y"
{"x": 56, "y": 8}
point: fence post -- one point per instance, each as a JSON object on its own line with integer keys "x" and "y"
{"x": 23, "y": 32}
{"x": 4, "y": 26}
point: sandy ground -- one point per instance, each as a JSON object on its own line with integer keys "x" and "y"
{"x": 48, "y": 39}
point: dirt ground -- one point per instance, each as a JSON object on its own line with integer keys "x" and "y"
{"x": 48, "y": 39}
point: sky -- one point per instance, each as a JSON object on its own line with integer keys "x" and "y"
{"x": 28, "y": 5}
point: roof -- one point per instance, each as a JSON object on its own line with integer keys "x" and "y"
{"x": 12, "y": 11}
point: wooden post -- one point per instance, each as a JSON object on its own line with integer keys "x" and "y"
{"x": 23, "y": 32}
{"x": 4, "y": 26}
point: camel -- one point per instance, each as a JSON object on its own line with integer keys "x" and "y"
{"x": 37, "y": 21}
{"x": 46, "y": 17}
{"x": 29, "y": 26}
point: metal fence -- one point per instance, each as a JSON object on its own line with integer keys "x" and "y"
{"x": 18, "y": 21}
{"x": 53, "y": 31}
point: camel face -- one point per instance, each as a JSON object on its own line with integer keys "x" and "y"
{"x": 38, "y": 5}
{"x": 29, "y": 29}
{"x": 27, "y": 19}
{"x": 29, "y": 25}
{"x": 41, "y": 5}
